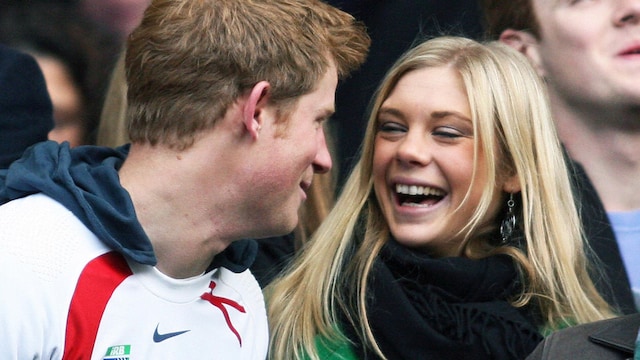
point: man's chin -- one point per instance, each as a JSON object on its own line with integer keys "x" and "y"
{"x": 282, "y": 229}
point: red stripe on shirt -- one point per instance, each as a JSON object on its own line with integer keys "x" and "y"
{"x": 97, "y": 282}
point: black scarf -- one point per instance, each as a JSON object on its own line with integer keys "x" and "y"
{"x": 449, "y": 308}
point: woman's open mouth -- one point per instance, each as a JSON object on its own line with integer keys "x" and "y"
{"x": 418, "y": 196}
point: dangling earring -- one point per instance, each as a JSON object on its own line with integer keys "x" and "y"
{"x": 509, "y": 223}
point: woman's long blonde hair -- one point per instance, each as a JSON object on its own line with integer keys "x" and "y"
{"x": 511, "y": 116}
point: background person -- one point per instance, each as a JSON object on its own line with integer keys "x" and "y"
{"x": 587, "y": 53}
{"x": 26, "y": 114}
{"x": 117, "y": 16}
{"x": 75, "y": 56}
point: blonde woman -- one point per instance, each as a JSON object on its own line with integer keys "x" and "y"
{"x": 456, "y": 235}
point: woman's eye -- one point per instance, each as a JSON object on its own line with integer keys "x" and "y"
{"x": 573, "y": 2}
{"x": 447, "y": 132}
{"x": 390, "y": 127}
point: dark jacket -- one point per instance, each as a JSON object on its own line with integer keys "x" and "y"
{"x": 601, "y": 340}
{"x": 609, "y": 273}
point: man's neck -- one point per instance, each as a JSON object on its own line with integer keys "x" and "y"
{"x": 183, "y": 237}
{"x": 609, "y": 152}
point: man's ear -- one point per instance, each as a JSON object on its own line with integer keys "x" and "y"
{"x": 253, "y": 112}
{"x": 527, "y": 44}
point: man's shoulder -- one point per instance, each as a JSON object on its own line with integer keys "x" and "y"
{"x": 244, "y": 285}
{"x": 603, "y": 340}
{"x": 35, "y": 200}
{"x": 35, "y": 211}
{"x": 46, "y": 236}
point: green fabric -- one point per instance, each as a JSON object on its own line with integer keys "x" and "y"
{"x": 547, "y": 330}
{"x": 341, "y": 350}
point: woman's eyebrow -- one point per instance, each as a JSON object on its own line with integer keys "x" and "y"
{"x": 444, "y": 114}
{"x": 390, "y": 111}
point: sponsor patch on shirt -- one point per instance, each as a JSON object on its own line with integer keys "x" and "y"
{"x": 118, "y": 352}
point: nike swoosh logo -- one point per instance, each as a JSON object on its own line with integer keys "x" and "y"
{"x": 157, "y": 337}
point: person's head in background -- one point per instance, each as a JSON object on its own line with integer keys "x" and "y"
{"x": 112, "y": 129}
{"x": 587, "y": 52}
{"x": 75, "y": 58}
{"x": 26, "y": 114}
{"x": 118, "y": 16}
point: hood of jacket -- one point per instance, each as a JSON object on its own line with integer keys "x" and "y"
{"x": 85, "y": 180}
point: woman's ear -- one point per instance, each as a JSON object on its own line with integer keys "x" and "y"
{"x": 511, "y": 184}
